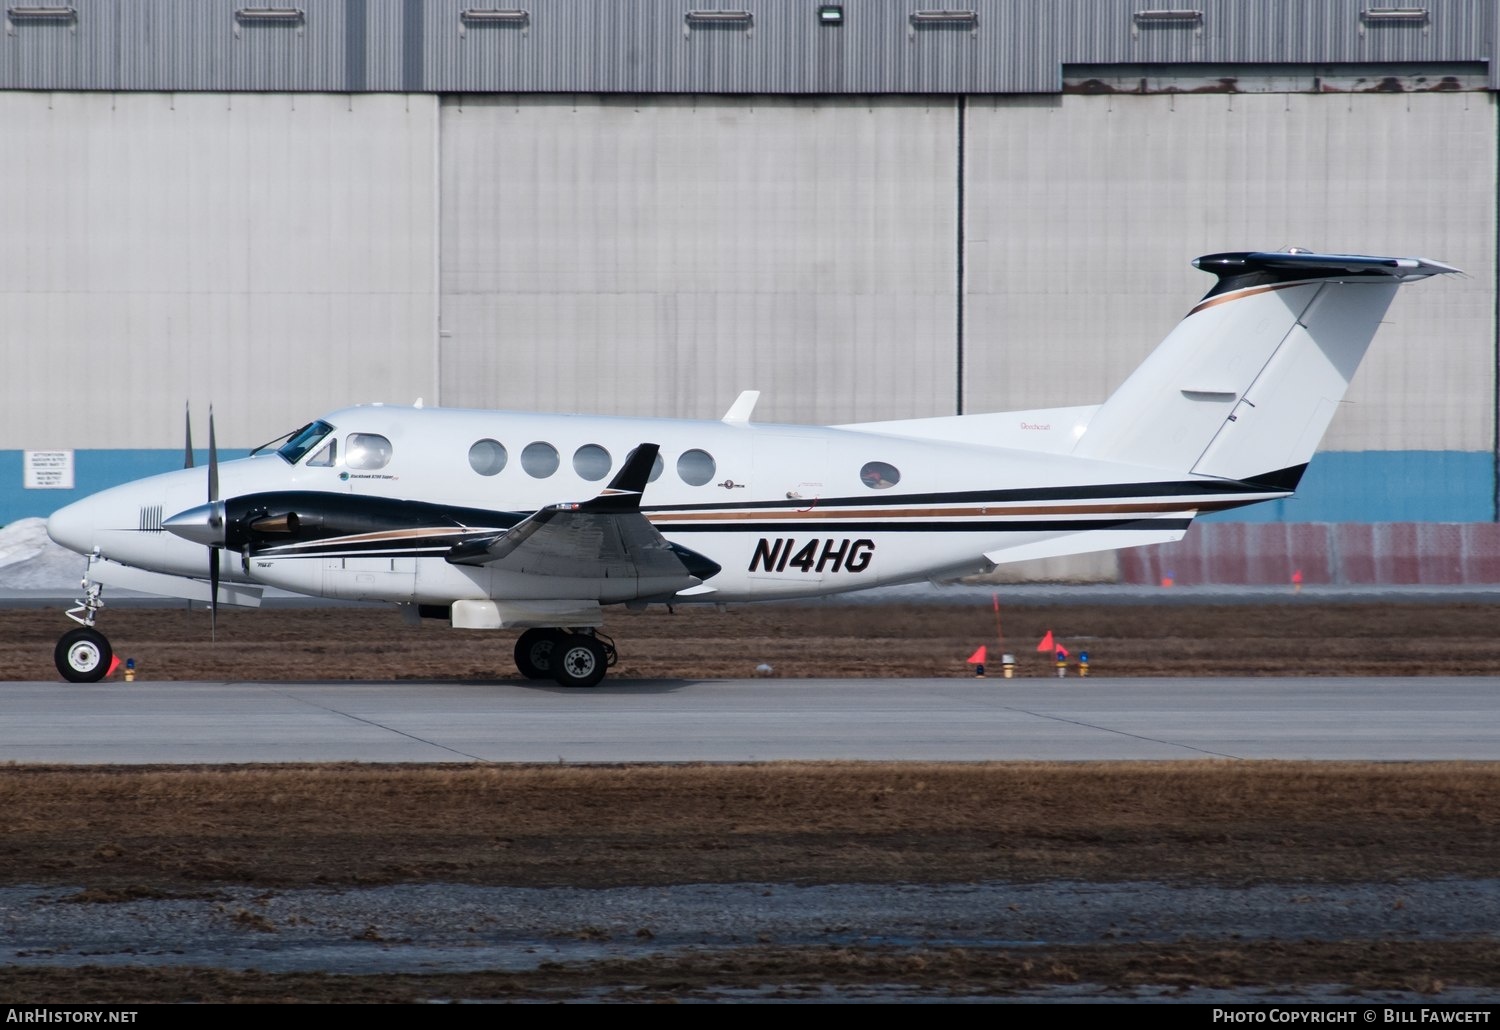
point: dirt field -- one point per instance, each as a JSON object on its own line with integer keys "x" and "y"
{"x": 823, "y": 639}
{"x": 104, "y": 837}
{"x": 107, "y": 837}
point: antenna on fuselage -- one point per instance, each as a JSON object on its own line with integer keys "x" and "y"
{"x": 739, "y": 412}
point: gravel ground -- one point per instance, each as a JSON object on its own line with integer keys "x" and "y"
{"x": 433, "y": 929}
{"x": 458, "y": 928}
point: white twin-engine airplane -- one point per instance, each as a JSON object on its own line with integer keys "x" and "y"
{"x": 495, "y": 520}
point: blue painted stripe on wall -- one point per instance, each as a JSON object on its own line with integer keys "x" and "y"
{"x": 93, "y": 471}
{"x": 1340, "y": 486}
{"x": 1385, "y": 486}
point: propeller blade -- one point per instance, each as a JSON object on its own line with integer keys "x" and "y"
{"x": 213, "y": 594}
{"x": 187, "y": 436}
{"x": 213, "y": 459}
{"x": 213, "y": 552}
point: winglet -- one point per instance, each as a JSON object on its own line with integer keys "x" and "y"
{"x": 624, "y": 491}
{"x": 739, "y": 412}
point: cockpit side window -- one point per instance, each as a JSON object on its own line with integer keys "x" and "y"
{"x": 327, "y": 457}
{"x": 367, "y": 451}
{"x": 304, "y": 440}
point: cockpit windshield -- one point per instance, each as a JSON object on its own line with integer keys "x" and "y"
{"x": 304, "y": 440}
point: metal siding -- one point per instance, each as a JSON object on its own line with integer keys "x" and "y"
{"x": 640, "y": 46}
{"x": 198, "y": 45}
{"x": 60, "y": 54}
{"x": 657, "y": 257}
{"x": 384, "y": 42}
{"x": 647, "y": 46}
{"x": 1083, "y": 214}
{"x": 1232, "y": 31}
{"x": 270, "y": 254}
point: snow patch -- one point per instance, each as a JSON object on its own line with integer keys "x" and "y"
{"x": 29, "y": 560}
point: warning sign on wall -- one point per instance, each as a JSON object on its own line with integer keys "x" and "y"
{"x": 49, "y": 470}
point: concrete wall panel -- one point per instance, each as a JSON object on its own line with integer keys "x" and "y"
{"x": 659, "y": 255}
{"x": 1084, "y": 211}
{"x": 271, "y": 254}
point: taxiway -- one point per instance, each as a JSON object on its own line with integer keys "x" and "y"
{"x": 991, "y": 719}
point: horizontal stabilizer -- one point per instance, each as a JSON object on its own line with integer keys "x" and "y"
{"x": 1289, "y": 265}
{"x": 1166, "y": 529}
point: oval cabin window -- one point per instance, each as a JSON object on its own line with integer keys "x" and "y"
{"x": 539, "y": 459}
{"x": 696, "y": 467}
{"x": 591, "y": 462}
{"x": 487, "y": 457}
{"x": 877, "y": 475}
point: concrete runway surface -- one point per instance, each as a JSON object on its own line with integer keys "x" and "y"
{"x": 993, "y": 719}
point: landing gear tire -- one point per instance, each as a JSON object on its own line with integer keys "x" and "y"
{"x": 534, "y": 651}
{"x": 83, "y": 655}
{"x": 579, "y": 660}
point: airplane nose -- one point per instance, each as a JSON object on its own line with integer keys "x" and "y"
{"x": 74, "y": 526}
{"x": 202, "y": 525}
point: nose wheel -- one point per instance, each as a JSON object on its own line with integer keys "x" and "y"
{"x": 83, "y": 655}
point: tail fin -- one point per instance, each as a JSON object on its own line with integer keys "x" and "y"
{"x": 1247, "y": 383}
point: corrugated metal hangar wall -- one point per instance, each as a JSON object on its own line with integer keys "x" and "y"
{"x": 208, "y": 204}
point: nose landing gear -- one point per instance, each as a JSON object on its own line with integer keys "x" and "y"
{"x": 83, "y": 655}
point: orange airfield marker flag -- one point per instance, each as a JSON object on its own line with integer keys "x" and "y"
{"x": 979, "y": 655}
{"x": 1047, "y": 644}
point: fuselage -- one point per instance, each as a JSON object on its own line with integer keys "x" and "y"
{"x": 782, "y": 510}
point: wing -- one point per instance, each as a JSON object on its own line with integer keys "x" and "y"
{"x": 603, "y": 538}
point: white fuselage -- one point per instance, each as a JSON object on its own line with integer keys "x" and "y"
{"x": 786, "y": 511}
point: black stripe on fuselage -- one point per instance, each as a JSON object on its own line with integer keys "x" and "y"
{"x": 383, "y": 549}
{"x": 823, "y": 527}
{"x": 1133, "y": 491}
{"x": 342, "y": 516}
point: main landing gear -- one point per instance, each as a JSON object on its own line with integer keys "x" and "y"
{"x": 574, "y": 658}
{"x": 83, "y": 655}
